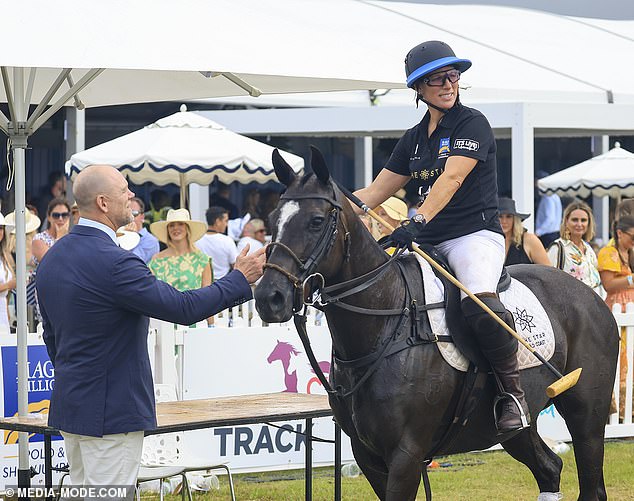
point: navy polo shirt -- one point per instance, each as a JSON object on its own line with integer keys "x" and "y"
{"x": 463, "y": 132}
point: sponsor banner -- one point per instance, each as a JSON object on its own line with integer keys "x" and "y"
{"x": 41, "y": 380}
{"x": 244, "y": 361}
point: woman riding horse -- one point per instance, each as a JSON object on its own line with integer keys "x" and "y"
{"x": 451, "y": 154}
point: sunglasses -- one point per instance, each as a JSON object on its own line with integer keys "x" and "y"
{"x": 439, "y": 79}
{"x": 135, "y": 213}
{"x": 60, "y": 215}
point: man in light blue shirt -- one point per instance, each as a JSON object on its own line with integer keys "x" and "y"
{"x": 149, "y": 244}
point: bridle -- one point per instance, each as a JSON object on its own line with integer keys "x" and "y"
{"x": 303, "y": 292}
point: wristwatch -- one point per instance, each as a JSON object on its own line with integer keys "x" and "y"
{"x": 419, "y": 218}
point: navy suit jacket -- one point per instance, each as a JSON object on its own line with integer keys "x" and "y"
{"x": 95, "y": 299}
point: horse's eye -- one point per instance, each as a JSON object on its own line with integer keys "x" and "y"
{"x": 316, "y": 222}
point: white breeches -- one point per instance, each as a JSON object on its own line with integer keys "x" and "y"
{"x": 476, "y": 259}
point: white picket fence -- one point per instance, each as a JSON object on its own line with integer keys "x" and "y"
{"x": 621, "y": 426}
{"x": 168, "y": 362}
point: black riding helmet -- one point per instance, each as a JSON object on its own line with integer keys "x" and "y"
{"x": 428, "y": 57}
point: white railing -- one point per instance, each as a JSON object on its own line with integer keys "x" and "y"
{"x": 621, "y": 425}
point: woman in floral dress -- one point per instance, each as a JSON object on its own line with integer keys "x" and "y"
{"x": 181, "y": 265}
{"x": 572, "y": 252}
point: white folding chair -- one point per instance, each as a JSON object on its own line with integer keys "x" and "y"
{"x": 162, "y": 456}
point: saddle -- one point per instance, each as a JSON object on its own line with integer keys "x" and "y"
{"x": 461, "y": 333}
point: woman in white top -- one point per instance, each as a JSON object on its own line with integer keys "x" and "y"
{"x": 7, "y": 275}
{"x": 571, "y": 252}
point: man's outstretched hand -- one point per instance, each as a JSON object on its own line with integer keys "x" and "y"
{"x": 251, "y": 266}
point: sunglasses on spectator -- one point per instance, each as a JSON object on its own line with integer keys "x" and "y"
{"x": 60, "y": 215}
{"x": 135, "y": 213}
{"x": 439, "y": 79}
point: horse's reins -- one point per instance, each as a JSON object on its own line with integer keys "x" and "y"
{"x": 562, "y": 384}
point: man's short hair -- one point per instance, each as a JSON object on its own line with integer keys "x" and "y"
{"x": 214, "y": 213}
{"x": 139, "y": 202}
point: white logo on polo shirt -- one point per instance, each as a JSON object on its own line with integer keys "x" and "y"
{"x": 466, "y": 144}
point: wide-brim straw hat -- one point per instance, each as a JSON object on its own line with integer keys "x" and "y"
{"x": 3, "y": 221}
{"x": 507, "y": 206}
{"x": 128, "y": 240}
{"x": 395, "y": 208}
{"x": 32, "y": 221}
{"x": 196, "y": 228}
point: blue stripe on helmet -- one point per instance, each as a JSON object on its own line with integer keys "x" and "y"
{"x": 463, "y": 65}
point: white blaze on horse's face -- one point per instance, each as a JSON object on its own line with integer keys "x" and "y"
{"x": 288, "y": 210}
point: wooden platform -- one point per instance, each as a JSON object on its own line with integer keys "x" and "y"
{"x": 244, "y": 409}
{"x": 185, "y": 415}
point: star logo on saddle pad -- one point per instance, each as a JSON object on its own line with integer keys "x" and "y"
{"x": 523, "y": 319}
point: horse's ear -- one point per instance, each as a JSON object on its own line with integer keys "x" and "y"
{"x": 318, "y": 164}
{"x": 283, "y": 171}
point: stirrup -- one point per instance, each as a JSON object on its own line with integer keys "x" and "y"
{"x": 509, "y": 396}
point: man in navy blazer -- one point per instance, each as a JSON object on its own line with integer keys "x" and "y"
{"x": 95, "y": 300}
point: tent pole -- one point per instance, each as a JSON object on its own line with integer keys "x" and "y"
{"x": 183, "y": 191}
{"x": 19, "y": 136}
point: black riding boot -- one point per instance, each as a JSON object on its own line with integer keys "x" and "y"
{"x": 500, "y": 349}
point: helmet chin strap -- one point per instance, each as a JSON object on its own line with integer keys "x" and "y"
{"x": 442, "y": 110}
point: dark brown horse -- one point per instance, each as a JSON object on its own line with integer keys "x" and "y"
{"x": 397, "y": 414}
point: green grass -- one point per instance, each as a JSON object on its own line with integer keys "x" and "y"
{"x": 465, "y": 477}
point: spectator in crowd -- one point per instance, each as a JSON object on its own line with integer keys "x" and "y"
{"x": 55, "y": 188}
{"x": 218, "y": 246}
{"x": 624, "y": 208}
{"x": 7, "y": 274}
{"x": 616, "y": 262}
{"x": 572, "y": 252}
{"x": 269, "y": 200}
{"x": 58, "y": 216}
{"x": 548, "y": 217}
{"x": 221, "y": 199}
{"x": 74, "y": 214}
{"x": 159, "y": 205}
{"x": 32, "y": 223}
{"x": 148, "y": 244}
{"x": 393, "y": 211}
{"x": 522, "y": 247}
{"x": 251, "y": 204}
{"x": 181, "y": 265}
{"x": 31, "y": 226}
{"x": 96, "y": 326}
{"x": 254, "y": 235}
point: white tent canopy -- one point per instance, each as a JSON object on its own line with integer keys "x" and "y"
{"x": 610, "y": 174}
{"x": 184, "y": 148}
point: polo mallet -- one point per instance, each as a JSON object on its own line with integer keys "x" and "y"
{"x": 563, "y": 382}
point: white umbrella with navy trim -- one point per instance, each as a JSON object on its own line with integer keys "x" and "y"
{"x": 610, "y": 174}
{"x": 184, "y": 148}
